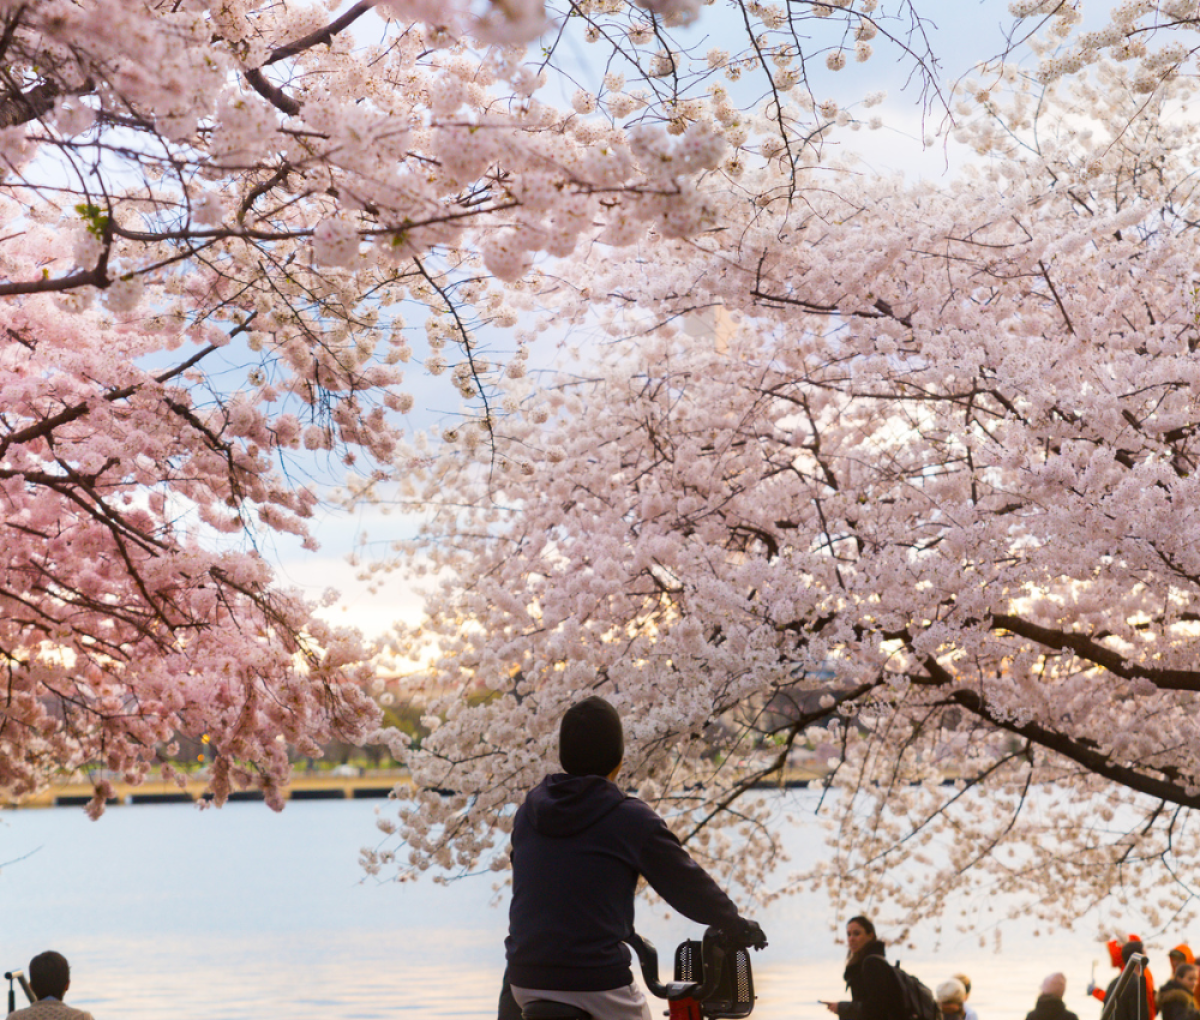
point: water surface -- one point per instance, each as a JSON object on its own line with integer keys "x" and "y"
{"x": 242, "y": 913}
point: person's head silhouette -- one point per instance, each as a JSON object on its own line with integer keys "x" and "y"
{"x": 49, "y": 975}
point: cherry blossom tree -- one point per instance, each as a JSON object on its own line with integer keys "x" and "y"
{"x": 934, "y": 475}
{"x": 216, "y": 218}
{"x": 920, "y": 494}
{"x": 129, "y": 618}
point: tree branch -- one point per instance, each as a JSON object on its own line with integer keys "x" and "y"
{"x": 322, "y": 35}
{"x": 1092, "y": 651}
{"x": 272, "y": 93}
{"x": 275, "y": 95}
{"x": 1081, "y": 752}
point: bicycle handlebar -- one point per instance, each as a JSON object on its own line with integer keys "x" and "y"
{"x": 713, "y": 949}
{"x": 648, "y": 958}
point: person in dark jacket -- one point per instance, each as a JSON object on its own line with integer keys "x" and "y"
{"x": 1050, "y": 1003}
{"x": 579, "y": 845}
{"x": 1177, "y": 998}
{"x": 874, "y": 990}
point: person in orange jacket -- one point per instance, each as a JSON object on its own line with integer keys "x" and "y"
{"x": 1119, "y": 955}
{"x": 1181, "y": 954}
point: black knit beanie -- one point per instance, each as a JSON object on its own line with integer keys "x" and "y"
{"x": 591, "y": 741}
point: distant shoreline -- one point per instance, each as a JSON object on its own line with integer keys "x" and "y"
{"x": 367, "y": 784}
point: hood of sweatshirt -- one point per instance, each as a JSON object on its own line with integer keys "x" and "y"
{"x": 563, "y": 805}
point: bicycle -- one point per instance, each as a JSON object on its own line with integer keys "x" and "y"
{"x": 713, "y": 981}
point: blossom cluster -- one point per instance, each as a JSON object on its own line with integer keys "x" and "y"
{"x": 1152, "y": 35}
{"x": 126, "y": 627}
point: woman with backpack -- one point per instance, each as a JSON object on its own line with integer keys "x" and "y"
{"x": 874, "y": 990}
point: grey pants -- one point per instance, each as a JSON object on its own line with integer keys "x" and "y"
{"x": 626, "y": 1003}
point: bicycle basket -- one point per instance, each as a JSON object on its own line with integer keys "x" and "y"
{"x": 734, "y": 995}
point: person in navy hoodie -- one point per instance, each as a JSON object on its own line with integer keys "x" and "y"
{"x": 579, "y": 845}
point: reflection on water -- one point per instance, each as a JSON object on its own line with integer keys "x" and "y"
{"x": 245, "y": 978}
{"x": 242, "y": 913}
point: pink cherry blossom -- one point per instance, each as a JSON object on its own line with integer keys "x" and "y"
{"x": 922, "y": 449}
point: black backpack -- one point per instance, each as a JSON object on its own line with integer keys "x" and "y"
{"x": 916, "y": 1000}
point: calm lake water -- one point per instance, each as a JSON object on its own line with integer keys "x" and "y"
{"x": 243, "y": 913}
